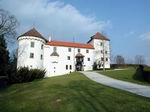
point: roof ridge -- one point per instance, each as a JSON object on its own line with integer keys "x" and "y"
{"x": 69, "y": 42}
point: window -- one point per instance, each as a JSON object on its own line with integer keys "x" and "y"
{"x": 106, "y": 52}
{"x": 101, "y": 51}
{"x": 41, "y": 56}
{"x": 70, "y": 67}
{"x": 32, "y": 44}
{"x": 54, "y": 49}
{"x": 78, "y": 50}
{"x": 101, "y": 43}
{"x": 69, "y": 49}
{"x": 42, "y": 46}
{"x": 68, "y": 57}
{"x": 31, "y": 55}
{"x": 102, "y": 59}
{"x": 66, "y": 67}
{"x": 87, "y": 51}
{"x": 88, "y": 59}
{"x": 106, "y": 59}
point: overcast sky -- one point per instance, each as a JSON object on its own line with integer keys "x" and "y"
{"x": 125, "y": 22}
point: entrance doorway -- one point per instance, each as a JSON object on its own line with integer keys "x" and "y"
{"x": 79, "y": 62}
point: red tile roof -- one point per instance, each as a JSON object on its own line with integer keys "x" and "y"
{"x": 33, "y": 32}
{"x": 98, "y": 36}
{"x": 70, "y": 44}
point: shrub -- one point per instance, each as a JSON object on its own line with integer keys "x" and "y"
{"x": 37, "y": 73}
{"x": 142, "y": 73}
{"x": 94, "y": 66}
{"x": 146, "y": 73}
{"x": 24, "y": 74}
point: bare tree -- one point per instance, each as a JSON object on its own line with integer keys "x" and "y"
{"x": 139, "y": 59}
{"x": 8, "y": 24}
{"x": 119, "y": 59}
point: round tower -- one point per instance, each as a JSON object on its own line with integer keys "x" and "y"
{"x": 31, "y": 50}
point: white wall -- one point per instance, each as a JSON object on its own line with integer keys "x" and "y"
{"x": 57, "y": 65}
{"x": 25, "y": 49}
{"x": 97, "y": 51}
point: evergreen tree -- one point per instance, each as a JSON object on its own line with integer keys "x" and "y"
{"x": 4, "y": 56}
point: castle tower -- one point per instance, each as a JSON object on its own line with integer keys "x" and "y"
{"x": 31, "y": 49}
{"x": 101, "y": 50}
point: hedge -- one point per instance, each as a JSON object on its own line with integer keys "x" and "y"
{"x": 24, "y": 74}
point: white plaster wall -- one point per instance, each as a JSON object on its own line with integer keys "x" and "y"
{"x": 97, "y": 51}
{"x": 25, "y": 49}
{"x": 57, "y": 65}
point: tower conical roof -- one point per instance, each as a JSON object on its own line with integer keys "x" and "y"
{"x": 100, "y": 36}
{"x": 33, "y": 32}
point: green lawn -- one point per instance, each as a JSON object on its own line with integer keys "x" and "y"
{"x": 125, "y": 75}
{"x": 69, "y": 93}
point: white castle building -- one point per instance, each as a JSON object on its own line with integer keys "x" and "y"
{"x": 59, "y": 57}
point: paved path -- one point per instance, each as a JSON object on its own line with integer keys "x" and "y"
{"x": 127, "y": 86}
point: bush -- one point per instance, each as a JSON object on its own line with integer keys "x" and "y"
{"x": 142, "y": 73}
{"x": 24, "y": 74}
{"x": 94, "y": 66}
{"x": 37, "y": 74}
{"x": 146, "y": 73}
{"x": 139, "y": 73}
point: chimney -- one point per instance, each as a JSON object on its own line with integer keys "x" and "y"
{"x": 50, "y": 38}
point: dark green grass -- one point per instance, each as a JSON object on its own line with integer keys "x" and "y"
{"x": 125, "y": 75}
{"x": 69, "y": 93}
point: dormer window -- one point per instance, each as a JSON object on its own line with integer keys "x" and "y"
{"x": 32, "y": 44}
{"x": 54, "y": 53}
{"x": 54, "y": 49}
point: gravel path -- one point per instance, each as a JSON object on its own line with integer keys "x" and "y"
{"x": 123, "y": 85}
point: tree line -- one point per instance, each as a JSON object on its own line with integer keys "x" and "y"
{"x": 138, "y": 60}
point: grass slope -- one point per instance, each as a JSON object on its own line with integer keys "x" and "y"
{"x": 125, "y": 75}
{"x": 69, "y": 93}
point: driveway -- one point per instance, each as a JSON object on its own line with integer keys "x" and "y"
{"x": 123, "y": 85}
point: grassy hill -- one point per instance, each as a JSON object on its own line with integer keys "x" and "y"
{"x": 69, "y": 93}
